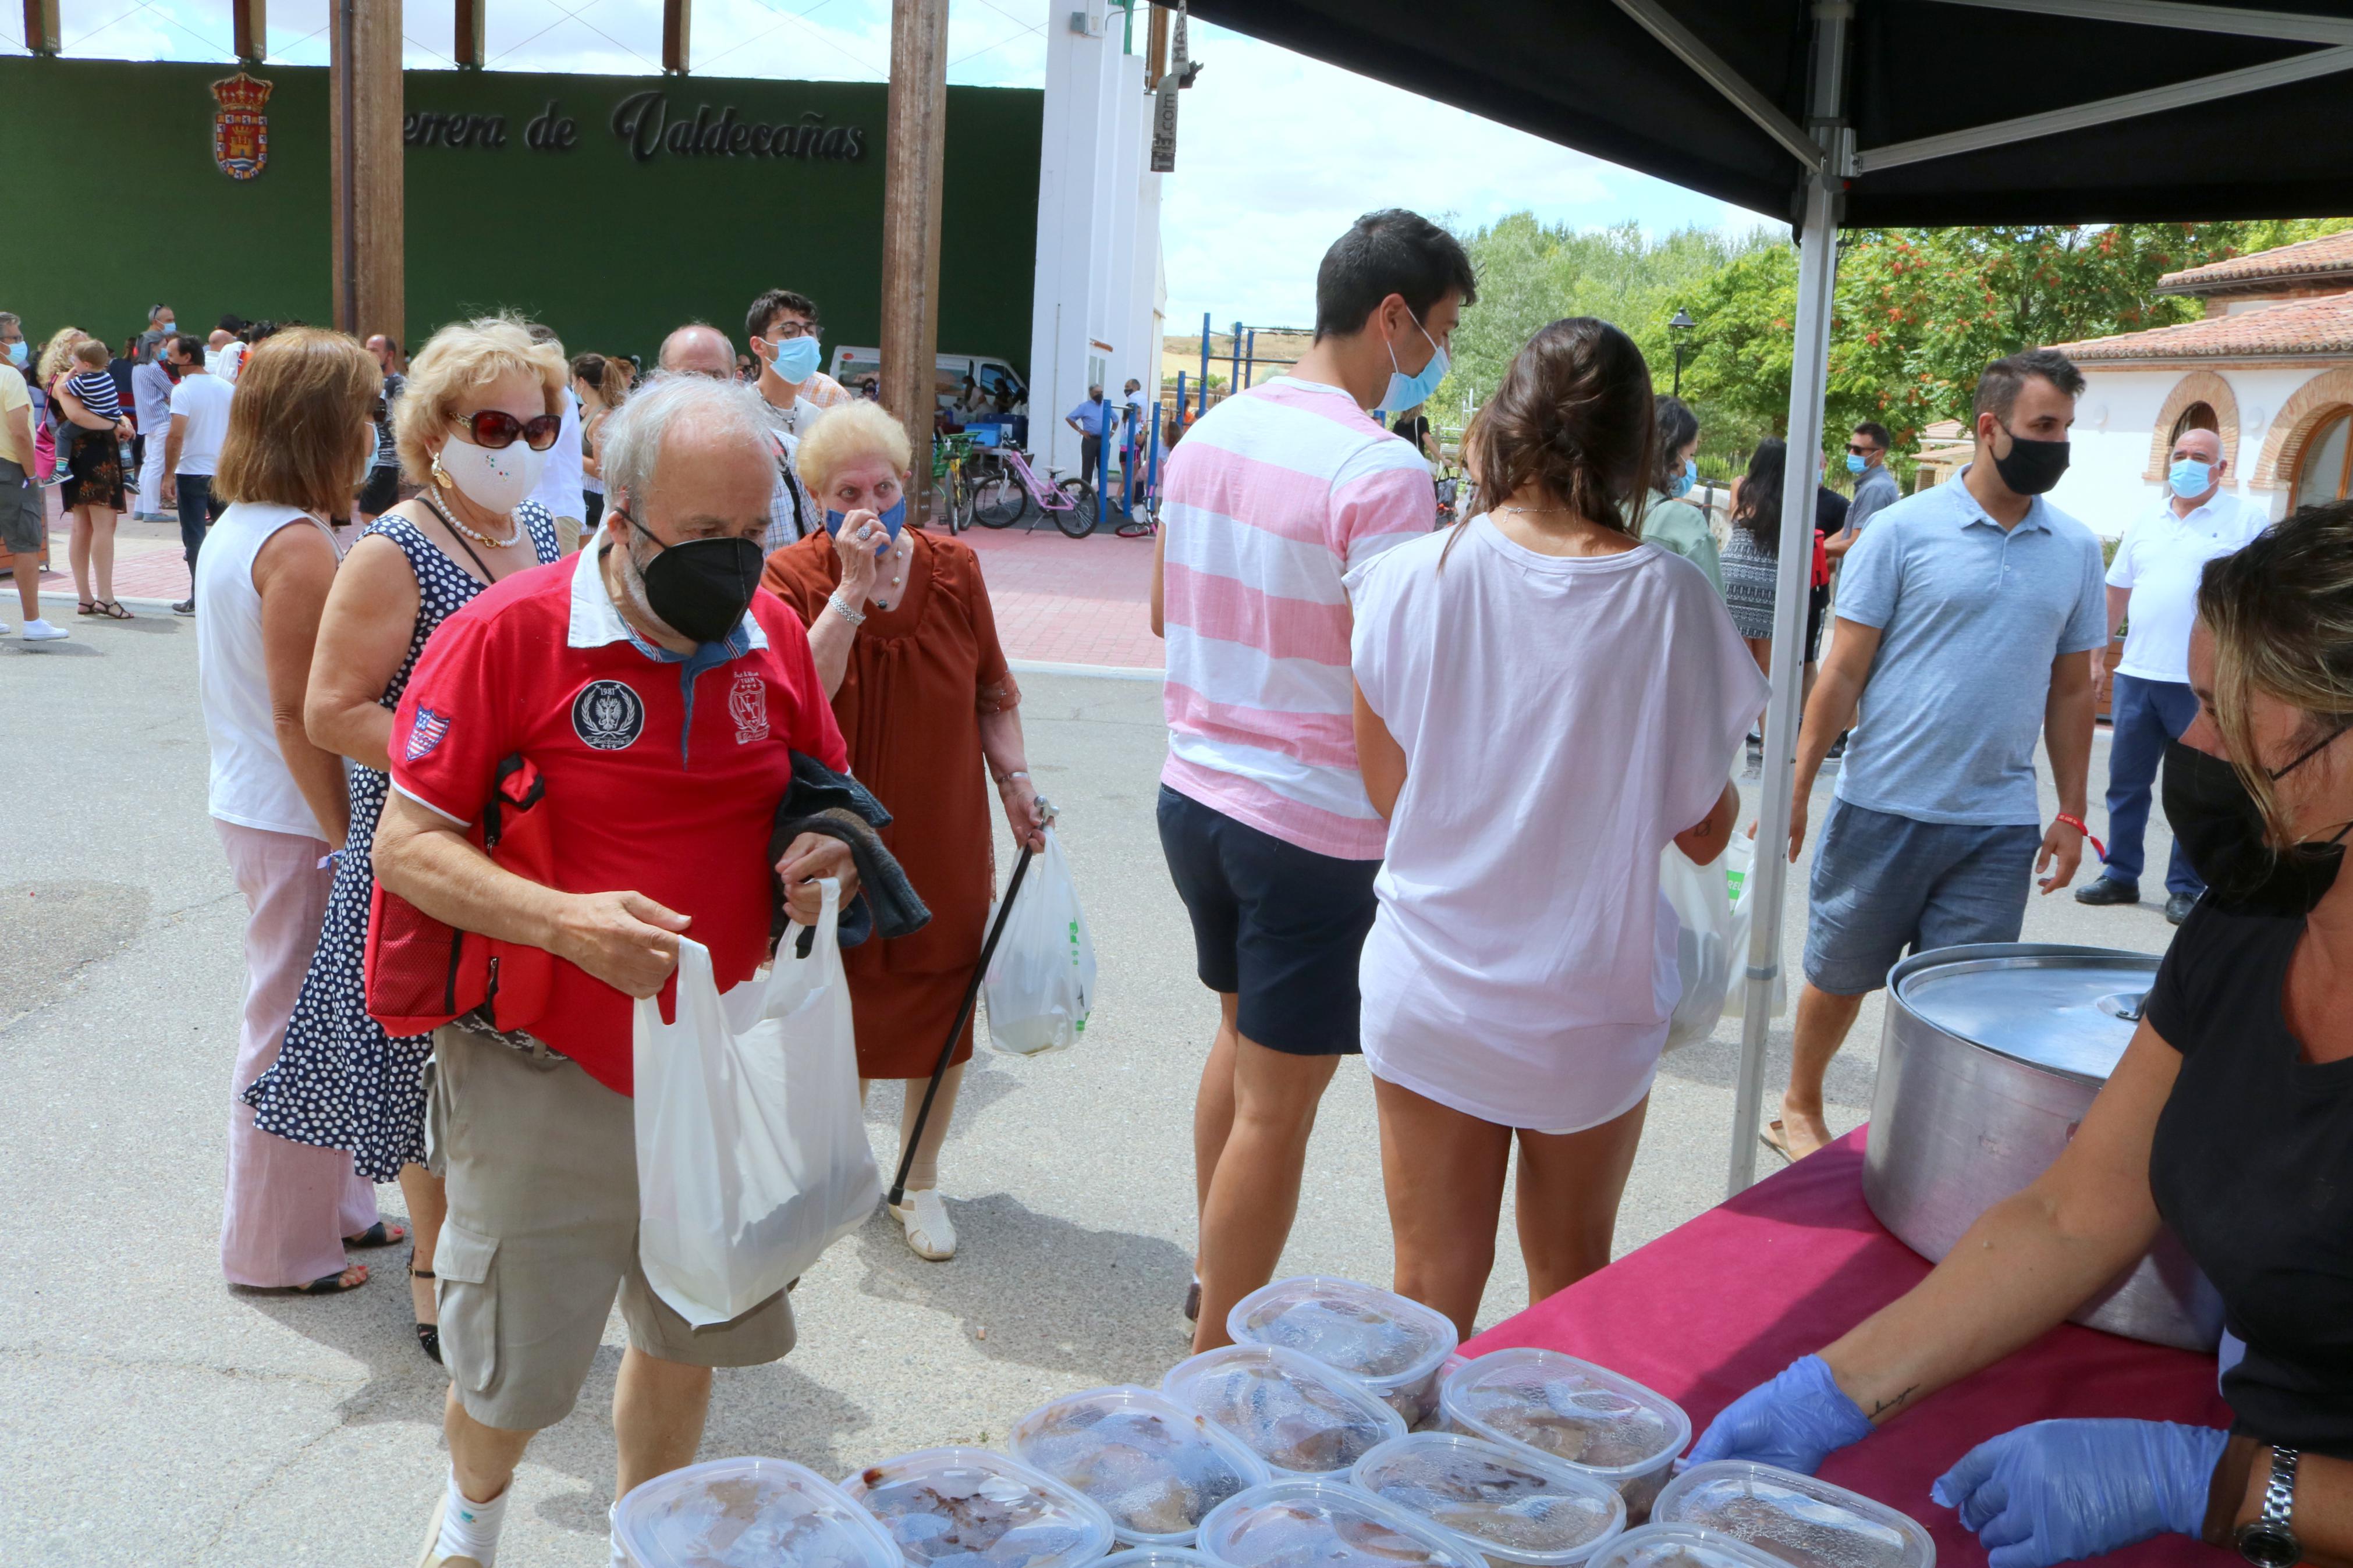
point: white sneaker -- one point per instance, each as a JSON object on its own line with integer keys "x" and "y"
{"x": 925, "y": 1217}
{"x": 40, "y": 631}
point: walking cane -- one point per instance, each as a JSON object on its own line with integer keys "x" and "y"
{"x": 971, "y": 995}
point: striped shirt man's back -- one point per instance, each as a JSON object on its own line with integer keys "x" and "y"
{"x": 1270, "y": 498}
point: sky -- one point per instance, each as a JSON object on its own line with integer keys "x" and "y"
{"x": 1241, "y": 231}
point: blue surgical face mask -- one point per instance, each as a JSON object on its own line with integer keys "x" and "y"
{"x": 1855, "y": 463}
{"x": 18, "y": 354}
{"x": 892, "y": 521}
{"x": 1408, "y": 391}
{"x": 2188, "y": 477}
{"x": 1680, "y": 486}
{"x": 794, "y": 358}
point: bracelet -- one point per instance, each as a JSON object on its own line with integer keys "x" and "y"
{"x": 840, "y": 606}
{"x": 1004, "y": 779}
{"x": 2080, "y": 826}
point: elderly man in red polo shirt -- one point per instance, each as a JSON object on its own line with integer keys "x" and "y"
{"x": 660, "y": 694}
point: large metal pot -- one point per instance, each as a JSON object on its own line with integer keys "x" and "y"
{"x": 1991, "y": 1055}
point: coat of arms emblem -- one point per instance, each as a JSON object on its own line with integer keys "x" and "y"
{"x": 241, "y": 130}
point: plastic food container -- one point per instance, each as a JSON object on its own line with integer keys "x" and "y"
{"x": 1156, "y": 1557}
{"x": 1294, "y": 1413}
{"x": 1679, "y": 1546}
{"x": 1157, "y": 1468}
{"x": 749, "y": 1513}
{"x": 1572, "y": 1411}
{"x": 1504, "y": 1503}
{"x": 1796, "y": 1518}
{"x": 1392, "y": 1345}
{"x": 979, "y": 1510}
{"x": 1307, "y": 1524}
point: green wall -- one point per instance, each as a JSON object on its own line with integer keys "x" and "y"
{"x": 610, "y": 248}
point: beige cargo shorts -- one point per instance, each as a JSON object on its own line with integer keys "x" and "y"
{"x": 542, "y": 1166}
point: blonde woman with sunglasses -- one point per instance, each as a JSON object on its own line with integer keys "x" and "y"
{"x": 481, "y": 408}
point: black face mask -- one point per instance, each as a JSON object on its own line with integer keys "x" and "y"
{"x": 2215, "y": 820}
{"x": 2030, "y": 467}
{"x": 700, "y": 587}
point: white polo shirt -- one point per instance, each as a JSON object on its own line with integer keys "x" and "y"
{"x": 2160, "y": 560}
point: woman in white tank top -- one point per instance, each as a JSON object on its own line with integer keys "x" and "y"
{"x": 301, "y": 437}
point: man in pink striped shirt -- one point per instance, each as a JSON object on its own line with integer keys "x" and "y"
{"x": 1268, "y": 500}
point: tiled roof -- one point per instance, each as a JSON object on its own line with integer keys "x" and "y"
{"x": 2329, "y": 253}
{"x": 2320, "y": 326}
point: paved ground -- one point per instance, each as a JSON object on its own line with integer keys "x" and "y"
{"x": 161, "y": 1418}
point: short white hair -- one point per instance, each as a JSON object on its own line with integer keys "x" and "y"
{"x": 630, "y": 444}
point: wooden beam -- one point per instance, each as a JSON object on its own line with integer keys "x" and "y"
{"x": 915, "y": 145}
{"x": 467, "y": 51}
{"x": 1156, "y": 49}
{"x": 365, "y": 164}
{"x": 252, "y": 20}
{"x": 42, "y": 36}
{"x": 676, "y": 17}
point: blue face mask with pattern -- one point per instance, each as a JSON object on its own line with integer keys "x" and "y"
{"x": 892, "y": 520}
{"x": 1681, "y": 485}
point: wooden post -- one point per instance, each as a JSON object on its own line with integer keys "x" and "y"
{"x": 250, "y": 18}
{"x": 677, "y": 16}
{"x": 468, "y": 49}
{"x": 1156, "y": 49}
{"x": 42, "y": 36}
{"x": 364, "y": 160}
{"x": 913, "y": 146}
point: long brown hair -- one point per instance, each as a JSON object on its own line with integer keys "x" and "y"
{"x": 1574, "y": 415}
{"x": 302, "y": 428}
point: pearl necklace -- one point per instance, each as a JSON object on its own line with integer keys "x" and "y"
{"x": 434, "y": 502}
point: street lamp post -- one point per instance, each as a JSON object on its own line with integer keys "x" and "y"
{"x": 1681, "y": 327}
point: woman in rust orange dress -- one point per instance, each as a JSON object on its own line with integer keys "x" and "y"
{"x": 904, "y": 640}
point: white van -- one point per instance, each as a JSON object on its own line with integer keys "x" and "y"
{"x": 858, "y": 369}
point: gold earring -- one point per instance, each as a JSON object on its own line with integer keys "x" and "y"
{"x": 441, "y": 475}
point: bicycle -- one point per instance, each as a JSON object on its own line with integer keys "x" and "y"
{"x": 951, "y": 497}
{"x": 1004, "y": 494}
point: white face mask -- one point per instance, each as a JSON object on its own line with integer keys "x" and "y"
{"x": 497, "y": 482}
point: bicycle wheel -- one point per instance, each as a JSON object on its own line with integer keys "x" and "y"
{"x": 959, "y": 500}
{"x": 936, "y": 507}
{"x": 998, "y": 499}
{"x": 1079, "y": 520}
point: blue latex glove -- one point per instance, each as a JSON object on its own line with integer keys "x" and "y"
{"x": 2058, "y": 1491}
{"x": 1793, "y": 1421}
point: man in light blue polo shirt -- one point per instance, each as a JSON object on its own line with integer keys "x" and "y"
{"x": 1967, "y": 619}
{"x": 1091, "y": 420}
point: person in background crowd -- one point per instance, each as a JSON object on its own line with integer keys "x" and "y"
{"x": 2225, "y": 1120}
{"x": 151, "y": 396}
{"x": 200, "y": 421}
{"x": 24, "y": 521}
{"x": 2153, "y": 592}
{"x": 783, "y": 331}
{"x": 381, "y": 489}
{"x": 1974, "y": 599}
{"x": 13, "y": 344}
{"x": 298, "y": 439}
{"x": 1669, "y": 521}
{"x": 388, "y": 356}
{"x": 118, "y": 369}
{"x": 231, "y": 341}
{"x": 1134, "y": 432}
{"x": 340, "y": 1082}
{"x": 1412, "y": 427}
{"x": 905, "y": 644}
{"x": 1519, "y": 976}
{"x": 746, "y": 370}
{"x": 1270, "y": 838}
{"x": 626, "y": 366}
{"x": 1093, "y": 421}
{"x": 664, "y": 804}
{"x": 1752, "y": 554}
{"x": 160, "y": 325}
{"x": 1875, "y": 486}
{"x": 82, "y": 395}
{"x": 590, "y": 381}
{"x": 559, "y": 489}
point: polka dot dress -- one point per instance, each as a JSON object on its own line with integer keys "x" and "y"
{"x": 340, "y": 1082}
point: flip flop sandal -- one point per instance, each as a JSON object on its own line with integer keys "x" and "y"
{"x": 429, "y": 1335}
{"x": 1775, "y": 1138}
{"x": 380, "y": 1234}
{"x": 326, "y": 1285}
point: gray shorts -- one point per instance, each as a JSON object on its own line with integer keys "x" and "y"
{"x": 542, "y": 1165}
{"x": 1882, "y": 882}
{"x": 22, "y": 513}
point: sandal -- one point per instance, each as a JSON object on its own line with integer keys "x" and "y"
{"x": 1777, "y": 1138}
{"x": 86, "y": 607}
{"x": 112, "y": 610}
{"x": 429, "y": 1335}
{"x": 930, "y": 1236}
{"x": 332, "y": 1284}
{"x": 380, "y": 1234}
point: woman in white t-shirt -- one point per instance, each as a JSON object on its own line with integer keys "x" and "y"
{"x": 1543, "y": 703}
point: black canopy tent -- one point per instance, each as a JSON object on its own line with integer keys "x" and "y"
{"x": 1868, "y": 113}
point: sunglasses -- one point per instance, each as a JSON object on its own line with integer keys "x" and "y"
{"x": 1861, "y": 451}
{"x": 496, "y": 429}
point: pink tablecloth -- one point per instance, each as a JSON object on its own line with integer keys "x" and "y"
{"x": 1717, "y": 1306}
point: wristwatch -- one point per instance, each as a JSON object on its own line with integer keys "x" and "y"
{"x": 2266, "y": 1541}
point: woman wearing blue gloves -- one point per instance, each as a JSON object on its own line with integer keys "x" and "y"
{"x": 2230, "y": 1119}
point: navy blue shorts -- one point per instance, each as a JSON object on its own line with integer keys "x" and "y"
{"x": 1883, "y": 883}
{"x": 1277, "y": 927}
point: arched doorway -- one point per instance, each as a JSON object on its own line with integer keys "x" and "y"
{"x": 2324, "y": 469}
{"x": 2199, "y": 415}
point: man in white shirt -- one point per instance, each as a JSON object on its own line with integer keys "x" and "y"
{"x": 191, "y": 452}
{"x": 2153, "y": 591}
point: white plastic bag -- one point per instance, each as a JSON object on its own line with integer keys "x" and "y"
{"x": 1041, "y": 980}
{"x": 1739, "y": 855}
{"x": 1703, "y": 946}
{"x": 752, "y": 1153}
